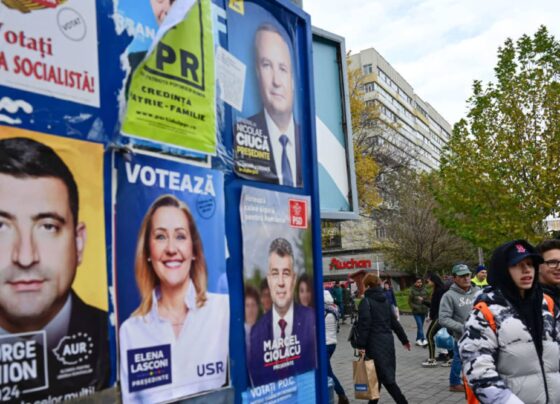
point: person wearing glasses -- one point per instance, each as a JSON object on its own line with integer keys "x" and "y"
{"x": 510, "y": 354}
{"x": 549, "y": 270}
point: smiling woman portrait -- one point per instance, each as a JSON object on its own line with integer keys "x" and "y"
{"x": 175, "y": 309}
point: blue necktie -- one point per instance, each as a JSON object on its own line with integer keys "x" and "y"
{"x": 286, "y": 167}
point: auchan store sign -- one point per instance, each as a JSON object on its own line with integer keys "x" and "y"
{"x": 337, "y": 264}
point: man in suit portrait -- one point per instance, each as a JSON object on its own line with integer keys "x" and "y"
{"x": 275, "y": 123}
{"x": 42, "y": 243}
{"x": 283, "y": 340}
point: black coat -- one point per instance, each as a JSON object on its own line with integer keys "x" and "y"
{"x": 376, "y": 323}
{"x": 435, "y": 301}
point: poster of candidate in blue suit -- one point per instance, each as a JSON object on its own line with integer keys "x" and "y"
{"x": 277, "y": 254}
{"x": 267, "y": 131}
{"x": 171, "y": 285}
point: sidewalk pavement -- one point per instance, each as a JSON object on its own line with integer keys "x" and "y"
{"x": 419, "y": 385}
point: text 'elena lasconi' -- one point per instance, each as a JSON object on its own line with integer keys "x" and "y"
{"x": 168, "y": 179}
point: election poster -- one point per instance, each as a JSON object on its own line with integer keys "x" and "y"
{"x": 53, "y": 271}
{"x": 171, "y": 96}
{"x": 171, "y": 283}
{"x": 267, "y": 132}
{"x": 39, "y": 46}
{"x": 278, "y": 274}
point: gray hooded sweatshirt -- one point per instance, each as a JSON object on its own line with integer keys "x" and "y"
{"x": 455, "y": 307}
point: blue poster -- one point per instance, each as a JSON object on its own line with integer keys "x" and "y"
{"x": 171, "y": 284}
{"x": 278, "y": 272}
{"x": 268, "y": 131}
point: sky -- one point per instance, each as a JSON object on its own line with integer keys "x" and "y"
{"x": 439, "y": 46}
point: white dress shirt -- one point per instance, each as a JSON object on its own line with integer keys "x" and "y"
{"x": 274, "y": 134}
{"x": 289, "y": 318}
{"x": 203, "y": 339}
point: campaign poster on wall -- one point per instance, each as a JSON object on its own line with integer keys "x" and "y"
{"x": 53, "y": 271}
{"x": 278, "y": 274}
{"x": 171, "y": 96}
{"x": 267, "y": 132}
{"x": 39, "y": 44}
{"x": 172, "y": 290}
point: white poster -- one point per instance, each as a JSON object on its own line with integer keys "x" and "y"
{"x": 50, "y": 47}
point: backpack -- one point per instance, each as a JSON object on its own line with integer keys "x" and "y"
{"x": 354, "y": 334}
{"x": 327, "y": 312}
{"x": 483, "y": 308}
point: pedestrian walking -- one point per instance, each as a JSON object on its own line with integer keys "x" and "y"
{"x": 390, "y": 295}
{"x": 336, "y": 292}
{"x": 348, "y": 303}
{"x": 417, "y": 297}
{"x": 549, "y": 269}
{"x": 510, "y": 346}
{"x": 438, "y": 289}
{"x": 454, "y": 310}
{"x": 376, "y": 324}
{"x": 479, "y": 280}
{"x": 332, "y": 317}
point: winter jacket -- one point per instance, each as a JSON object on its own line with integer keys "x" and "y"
{"x": 376, "y": 322}
{"x": 390, "y": 296}
{"x": 416, "y": 297}
{"x": 435, "y": 303}
{"x": 455, "y": 307}
{"x": 554, "y": 292}
{"x": 504, "y": 366}
{"x": 479, "y": 284}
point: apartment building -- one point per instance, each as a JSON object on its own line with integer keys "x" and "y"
{"x": 418, "y": 131}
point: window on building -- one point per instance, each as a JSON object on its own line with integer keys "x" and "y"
{"x": 331, "y": 235}
{"x": 369, "y": 87}
{"x": 368, "y": 68}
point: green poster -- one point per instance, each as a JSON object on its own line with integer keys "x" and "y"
{"x": 171, "y": 96}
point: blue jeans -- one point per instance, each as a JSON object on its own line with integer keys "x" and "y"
{"x": 456, "y": 367}
{"x": 420, "y": 326}
{"x": 337, "y": 386}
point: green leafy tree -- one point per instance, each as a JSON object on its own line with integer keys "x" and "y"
{"x": 499, "y": 175}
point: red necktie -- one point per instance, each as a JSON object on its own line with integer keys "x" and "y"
{"x": 282, "y": 323}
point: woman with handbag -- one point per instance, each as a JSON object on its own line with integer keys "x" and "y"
{"x": 376, "y": 324}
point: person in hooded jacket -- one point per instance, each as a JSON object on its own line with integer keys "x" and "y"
{"x": 376, "y": 324}
{"x": 549, "y": 269}
{"x": 454, "y": 309}
{"x": 519, "y": 361}
{"x": 332, "y": 316}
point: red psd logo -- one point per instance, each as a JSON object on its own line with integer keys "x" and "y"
{"x": 298, "y": 213}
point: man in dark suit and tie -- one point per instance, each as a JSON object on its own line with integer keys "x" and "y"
{"x": 273, "y": 152}
{"x": 283, "y": 339}
{"x": 42, "y": 242}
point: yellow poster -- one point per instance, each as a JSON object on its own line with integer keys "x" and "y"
{"x": 53, "y": 271}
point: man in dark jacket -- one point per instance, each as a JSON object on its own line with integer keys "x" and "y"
{"x": 549, "y": 269}
{"x": 282, "y": 342}
{"x": 376, "y": 322}
{"x": 42, "y": 245}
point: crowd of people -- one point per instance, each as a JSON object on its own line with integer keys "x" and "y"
{"x": 503, "y": 323}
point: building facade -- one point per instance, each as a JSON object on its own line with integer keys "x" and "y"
{"x": 416, "y": 131}
{"x": 420, "y": 130}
